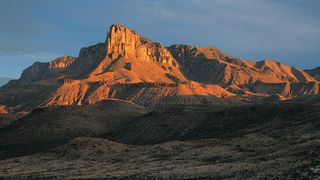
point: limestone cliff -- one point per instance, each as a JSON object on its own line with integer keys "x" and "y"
{"x": 126, "y": 43}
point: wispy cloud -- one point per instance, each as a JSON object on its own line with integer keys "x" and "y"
{"x": 38, "y": 56}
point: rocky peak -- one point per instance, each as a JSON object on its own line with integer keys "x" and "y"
{"x": 190, "y": 52}
{"x": 94, "y": 52}
{"x": 89, "y": 58}
{"x": 41, "y": 70}
{"x": 62, "y": 62}
{"x": 126, "y": 43}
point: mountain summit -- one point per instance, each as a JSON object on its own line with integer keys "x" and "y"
{"x": 123, "y": 42}
{"x": 131, "y": 67}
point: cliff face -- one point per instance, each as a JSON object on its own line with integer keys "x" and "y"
{"x": 39, "y": 71}
{"x": 87, "y": 61}
{"x": 126, "y": 43}
{"x": 131, "y": 67}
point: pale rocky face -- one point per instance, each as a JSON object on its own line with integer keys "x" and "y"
{"x": 126, "y": 43}
{"x": 61, "y": 63}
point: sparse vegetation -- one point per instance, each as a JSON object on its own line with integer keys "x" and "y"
{"x": 202, "y": 142}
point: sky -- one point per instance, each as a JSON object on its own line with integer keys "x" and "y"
{"x": 41, "y": 30}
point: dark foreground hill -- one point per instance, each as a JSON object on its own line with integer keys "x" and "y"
{"x": 117, "y": 139}
{"x": 48, "y": 127}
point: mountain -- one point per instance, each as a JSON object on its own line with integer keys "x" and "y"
{"x": 4, "y": 81}
{"x": 131, "y": 67}
{"x": 130, "y": 108}
{"x": 315, "y": 73}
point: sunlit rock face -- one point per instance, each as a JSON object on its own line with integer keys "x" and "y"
{"x": 209, "y": 65}
{"x": 126, "y": 43}
{"x": 131, "y": 67}
{"x": 41, "y": 70}
{"x": 61, "y": 63}
{"x": 3, "y": 109}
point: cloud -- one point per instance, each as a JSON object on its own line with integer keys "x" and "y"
{"x": 39, "y": 56}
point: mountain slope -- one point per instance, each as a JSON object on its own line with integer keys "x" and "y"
{"x": 209, "y": 65}
{"x": 4, "y": 81}
{"x": 47, "y": 127}
{"x": 131, "y": 67}
{"x": 279, "y": 141}
{"x": 315, "y": 73}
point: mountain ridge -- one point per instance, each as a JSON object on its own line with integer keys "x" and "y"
{"x": 131, "y": 67}
{"x": 4, "y": 80}
{"x": 315, "y": 72}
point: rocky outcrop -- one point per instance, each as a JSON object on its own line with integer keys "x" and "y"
{"x": 61, "y": 63}
{"x": 126, "y": 43}
{"x": 3, "y": 109}
{"x": 39, "y": 70}
{"x": 283, "y": 72}
{"x": 88, "y": 60}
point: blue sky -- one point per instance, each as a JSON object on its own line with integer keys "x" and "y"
{"x": 40, "y": 30}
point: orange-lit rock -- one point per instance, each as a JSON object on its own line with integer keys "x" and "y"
{"x": 39, "y": 70}
{"x": 126, "y": 43}
{"x": 3, "y": 109}
{"x": 209, "y": 65}
{"x": 131, "y": 67}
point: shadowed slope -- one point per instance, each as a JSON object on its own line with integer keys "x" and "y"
{"x": 246, "y": 142}
{"x": 198, "y": 122}
{"x": 48, "y": 127}
{"x": 315, "y": 73}
{"x": 4, "y": 81}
